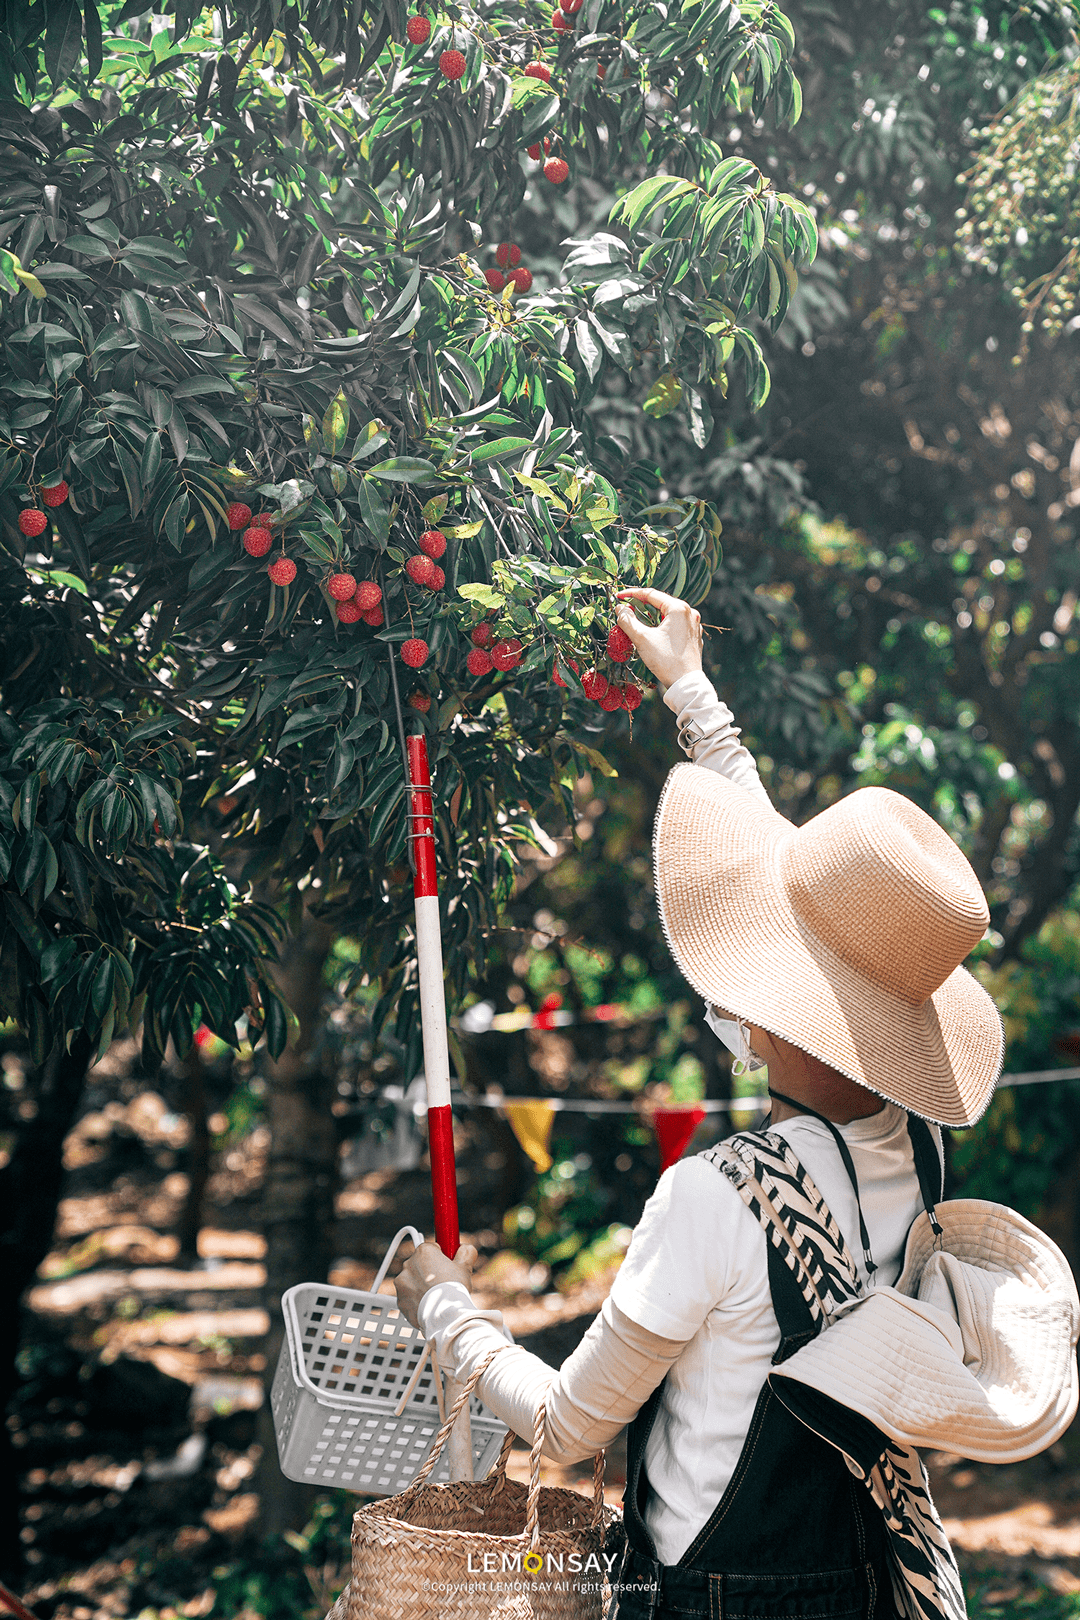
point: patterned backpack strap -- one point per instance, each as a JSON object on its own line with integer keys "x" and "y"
{"x": 925, "y": 1577}
{"x": 783, "y": 1199}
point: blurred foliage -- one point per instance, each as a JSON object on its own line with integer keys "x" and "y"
{"x": 1022, "y": 203}
{"x": 903, "y": 506}
{"x": 1024, "y": 1150}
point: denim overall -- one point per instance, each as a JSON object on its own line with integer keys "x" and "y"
{"x": 794, "y": 1534}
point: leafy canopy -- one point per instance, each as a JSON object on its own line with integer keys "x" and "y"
{"x": 238, "y": 267}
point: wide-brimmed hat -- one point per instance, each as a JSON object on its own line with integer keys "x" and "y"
{"x": 973, "y": 1351}
{"x": 844, "y": 936}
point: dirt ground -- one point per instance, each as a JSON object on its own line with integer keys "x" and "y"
{"x": 141, "y": 1427}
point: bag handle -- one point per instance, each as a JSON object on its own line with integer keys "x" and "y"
{"x": 532, "y": 1501}
{"x": 395, "y": 1243}
{"x": 498, "y": 1473}
{"x": 452, "y": 1416}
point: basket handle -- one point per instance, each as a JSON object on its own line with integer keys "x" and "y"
{"x": 395, "y": 1243}
{"x": 498, "y": 1473}
{"x": 532, "y": 1501}
{"x": 453, "y": 1415}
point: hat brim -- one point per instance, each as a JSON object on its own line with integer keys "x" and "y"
{"x": 889, "y": 1361}
{"x": 738, "y": 941}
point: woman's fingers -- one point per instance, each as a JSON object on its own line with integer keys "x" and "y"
{"x": 658, "y": 599}
{"x": 671, "y": 648}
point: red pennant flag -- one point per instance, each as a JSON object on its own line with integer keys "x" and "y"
{"x": 674, "y": 1127}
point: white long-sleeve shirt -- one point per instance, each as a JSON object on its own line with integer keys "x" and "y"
{"x": 691, "y": 1301}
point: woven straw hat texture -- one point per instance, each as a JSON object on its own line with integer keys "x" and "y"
{"x": 459, "y": 1551}
{"x": 844, "y": 936}
{"x": 973, "y": 1351}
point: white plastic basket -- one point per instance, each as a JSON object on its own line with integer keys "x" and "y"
{"x": 346, "y": 1363}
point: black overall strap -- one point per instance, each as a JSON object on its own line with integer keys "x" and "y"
{"x": 842, "y": 1147}
{"x": 929, "y": 1167}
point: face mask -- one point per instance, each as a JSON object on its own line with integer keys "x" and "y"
{"x": 732, "y": 1033}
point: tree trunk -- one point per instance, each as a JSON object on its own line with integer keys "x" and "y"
{"x": 298, "y": 1194}
{"x": 29, "y": 1194}
{"x": 198, "y": 1166}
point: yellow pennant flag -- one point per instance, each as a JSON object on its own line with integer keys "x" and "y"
{"x": 531, "y": 1123}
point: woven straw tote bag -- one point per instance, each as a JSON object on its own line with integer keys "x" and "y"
{"x": 488, "y": 1550}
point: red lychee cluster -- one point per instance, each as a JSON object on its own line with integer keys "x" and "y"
{"x": 355, "y": 601}
{"x": 489, "y": 654}
{"x": 422, "y": 569}
{"x": 508, "y": 257}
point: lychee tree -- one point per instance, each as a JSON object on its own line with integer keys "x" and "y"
{"x": 276, "y": 447}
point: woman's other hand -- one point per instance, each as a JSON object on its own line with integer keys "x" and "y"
{"x": 671, "y": 648}
{"x": 427, "y": 1266}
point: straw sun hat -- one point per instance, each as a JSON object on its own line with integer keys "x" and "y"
{"x": 844, "y": 936}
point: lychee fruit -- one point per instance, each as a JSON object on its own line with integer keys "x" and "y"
{"x": 420, "y": 701}
{"x": 257, "y": 542}
{"x": 368, "y": 595}
{"x": 538, "y": 70}
{"x": 282, "y": 572}
{"x": 263, "y": 520}
{"x": 534, "y": 151}
{"x": 414, "y": 652}
{"x": 238, "y": 515}
{"x": 619, "y": 645}
{"x": 374, "y": 616}
{"x": 594, "y": 684}
{"x": 556, "y": 677}
{"x": 521, "y": 278}
{"x": 32, "y": 522}
{"x": 341, "y": 587}
{"x": 601, "y": 70}
{"x": 480, "y": 635}
{"x": 561, "y": 23}
{"x": 612, "y": 699}
{"x": 421, "y": 570}
{"x": 506, "y": 654}
{"x": 507, "y": 253}
{"x": 433, "y": 541}
{"x": 495, "y": 280}
{"x": 56, "y": 494}
{"x": 479, "y": 662}
{"x": 438, "y": 578}
{"x": 349, "y": 612}
{"x": 418, "y": 29}
{"x": 556, "y": 170}
{"x": 630, "y": 695}
{"x": 451, "y": 66}
{"x": 571, "y": 6}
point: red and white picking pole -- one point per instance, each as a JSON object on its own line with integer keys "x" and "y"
{"x": 432, "y": 998}
{"x": 440, "y": 1121}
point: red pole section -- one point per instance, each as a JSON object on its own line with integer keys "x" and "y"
{"x": 432, "y": 999}
{"x": 9, "y": 1604}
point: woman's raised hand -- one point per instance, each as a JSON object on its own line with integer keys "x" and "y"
{"x": 671, "y": 648}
